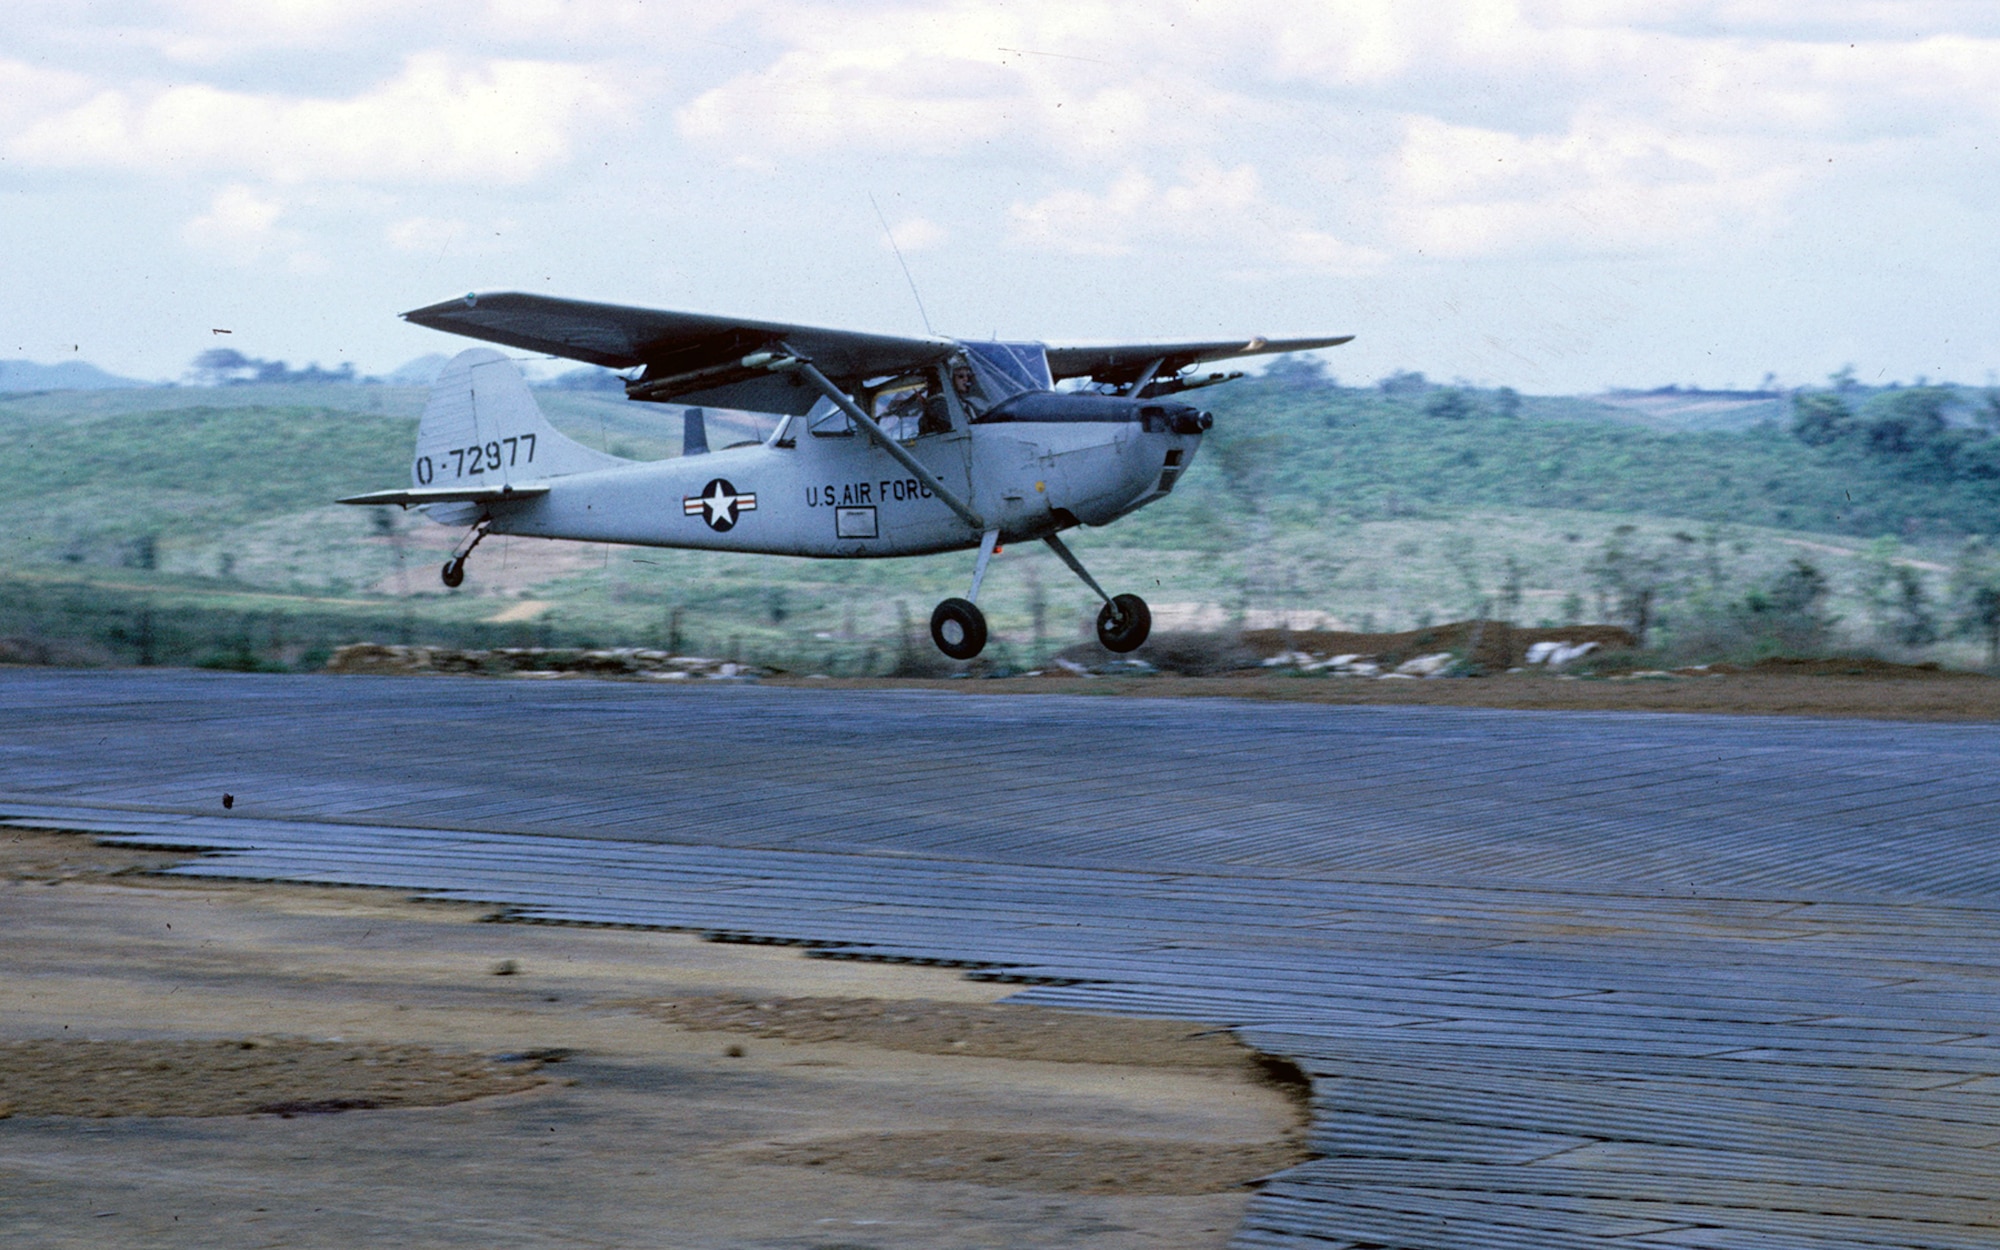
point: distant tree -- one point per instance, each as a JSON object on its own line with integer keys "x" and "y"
{"x": 1905, "y": 421}
{"x": 1628, "y": 580}
{"x": 588, "y": 378}
{"x": 1790, "y": 613}
{"x": 1507, "y": 401}
{"x": 220, "y": 366}
{"x": 1982, "y": 616}
{"x": 1819, "y": 418}
{"x": 1877, "y": 586}
{"x": 224, "y": 366}
{"x": 1300, "y": 371}
{"x": 1404, "y": 382}
{"x": 1988, "y": 412}
{"x": 1450, "y": 404}
{"x": 1915, "y": 621}
{"x": 1975, "y": 595}
{"x": 1511, "y": 591}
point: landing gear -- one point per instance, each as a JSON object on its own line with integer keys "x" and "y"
{"x": 958, "y": 628}
{"x": 453, "y": 573}
{"x": 1123, "y": 623}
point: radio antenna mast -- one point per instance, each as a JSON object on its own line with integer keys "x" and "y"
{"x": 900, "y": 261}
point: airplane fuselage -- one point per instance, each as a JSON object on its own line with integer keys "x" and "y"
{"x": 803, "y": 493}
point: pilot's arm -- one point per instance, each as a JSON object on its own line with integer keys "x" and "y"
{"x": 936, "y": 418}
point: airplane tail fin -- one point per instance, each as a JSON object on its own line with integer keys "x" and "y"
{"x": 482, "y": 427}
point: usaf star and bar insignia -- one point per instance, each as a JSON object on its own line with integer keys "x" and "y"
{"x": 719, "y": 505}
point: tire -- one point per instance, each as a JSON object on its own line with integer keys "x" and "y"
{"x": 958, "y": 628}
{"x": 453, "y": 573}
{"x": 1122, "y": 624}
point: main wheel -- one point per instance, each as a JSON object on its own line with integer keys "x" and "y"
{"x": 1122, "y": 624}
{"x": 453, "y": 573}
{"x": 958, "y": 628}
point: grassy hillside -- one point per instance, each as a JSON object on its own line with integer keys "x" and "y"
{"x": 206, "y": 511}
{"x": 1310, "y": 453}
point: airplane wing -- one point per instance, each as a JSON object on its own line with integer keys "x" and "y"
{"x": 1126, "y": 362}
{"x": 689, "y": 358}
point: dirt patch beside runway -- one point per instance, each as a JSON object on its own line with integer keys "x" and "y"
{"x": 1043, "y": 1162}
{"x": 988, "y": 1030}
{"x": 249, "y": 1076}
{"x": 1838, "y": 689}
{"x": 138, "y": 1118}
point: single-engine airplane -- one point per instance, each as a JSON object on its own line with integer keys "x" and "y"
{"x": 883, "y": 446}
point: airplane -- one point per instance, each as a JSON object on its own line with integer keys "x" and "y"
{"x": 883, "y": 445}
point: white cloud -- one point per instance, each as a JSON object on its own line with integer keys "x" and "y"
{"x": 28, "y": 92}
{"x": 918, "y": 234}
{"x": 425, "y": 234}
{"x": 437, "y": 236}
{"x": 1605, "y": 185}
{"x": 1085, "y": 81}
{"x": 440, "y": 120}
{"x": 1212, "y": 208}
{"x": 881, "y": 97}
{"x": 241, "y": 225}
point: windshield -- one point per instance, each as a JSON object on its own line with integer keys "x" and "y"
{"x": 1007, "y": 369}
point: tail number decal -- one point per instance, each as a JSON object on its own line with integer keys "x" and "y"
{"x": 503, "y": 453}
{"x": 719, "y": 504}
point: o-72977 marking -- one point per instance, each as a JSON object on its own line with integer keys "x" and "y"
{"x": 479, "y": 457}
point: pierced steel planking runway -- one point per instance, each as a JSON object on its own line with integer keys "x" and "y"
{"x": 1562, "y": 980}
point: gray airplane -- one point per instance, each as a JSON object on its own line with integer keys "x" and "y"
{"x": 882, "y": 446}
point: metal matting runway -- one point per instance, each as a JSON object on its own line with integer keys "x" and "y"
{"x": 1562, "y": 980}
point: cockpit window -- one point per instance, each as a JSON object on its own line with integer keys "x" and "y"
{"x": 1007, "y": 369}
{"x": 827, "y": 420}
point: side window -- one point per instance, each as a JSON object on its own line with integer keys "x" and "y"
{"x": 914, "y": 410}
{"x": 900, "y": 411}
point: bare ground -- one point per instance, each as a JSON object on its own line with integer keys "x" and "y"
{"x": 414, "y": 1077}
{"x": 1824, "y": 688}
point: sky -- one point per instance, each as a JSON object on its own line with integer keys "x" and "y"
{"x": 1557, "y": 195}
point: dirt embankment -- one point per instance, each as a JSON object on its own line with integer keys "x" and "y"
{"x": 1836, "y": 688}
{"x": 1047, "y": 1162}
{"x": 190, "y": 1062}
{"x": 985, "y": 1030}
{"x": 244, "y": 1076}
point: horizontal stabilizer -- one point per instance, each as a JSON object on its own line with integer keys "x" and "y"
{"x": 413, "y": 496}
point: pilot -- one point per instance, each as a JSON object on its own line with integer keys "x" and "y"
{"x": 965, "y": 384}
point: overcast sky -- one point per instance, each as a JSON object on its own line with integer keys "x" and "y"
{"x": 1559, "y": 196}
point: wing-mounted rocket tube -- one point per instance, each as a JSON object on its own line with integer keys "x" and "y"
{"x": 1173, "y": 386}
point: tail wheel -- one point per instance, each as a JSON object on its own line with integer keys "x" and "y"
{"x": 1122, "y": 624}
{"x": 958, "y": 628}
{"x": 453, "y": 573}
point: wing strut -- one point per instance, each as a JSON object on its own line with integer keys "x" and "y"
{"x": 881, "y": 439}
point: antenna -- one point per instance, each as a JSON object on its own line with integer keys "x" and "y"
{"x": 899, "y": 260}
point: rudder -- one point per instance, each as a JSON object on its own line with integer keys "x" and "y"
{"x": 482, "y": 427}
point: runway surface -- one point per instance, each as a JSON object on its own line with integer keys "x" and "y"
{"x": 1571, "y": 980}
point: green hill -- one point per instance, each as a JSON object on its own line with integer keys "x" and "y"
{"x": 1308, "y": 503}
